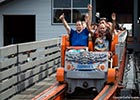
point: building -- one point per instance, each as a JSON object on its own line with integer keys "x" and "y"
{"x": 33, "y": 20}
{"x": 27, "y": 20}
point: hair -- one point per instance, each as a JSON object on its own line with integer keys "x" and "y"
{"x": 94, "y": 24}
{"x": 78, "y": 21}
{"x": 103, "y": 18}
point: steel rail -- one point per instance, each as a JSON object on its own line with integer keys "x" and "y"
{"x": 52, "y": 93}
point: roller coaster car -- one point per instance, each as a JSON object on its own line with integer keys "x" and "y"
{"x": 85, "y": 68}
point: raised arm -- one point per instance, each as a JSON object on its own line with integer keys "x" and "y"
{"x": 90, "y": 28}
{"x": 89, "y": 19}
{"x": 89, "y": 13}
{"x": 113, "y": 16}
{"x": 65, "y": 23}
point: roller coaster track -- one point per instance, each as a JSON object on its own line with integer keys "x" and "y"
{"x": 57, "y": 90}
{"x": 108, "y": 91}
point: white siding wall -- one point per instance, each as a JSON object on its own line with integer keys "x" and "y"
{"x": 40, "y": 8}
{"x": 1, "y": 30}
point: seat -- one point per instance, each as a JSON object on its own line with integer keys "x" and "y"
{"x": 112, "y": 49}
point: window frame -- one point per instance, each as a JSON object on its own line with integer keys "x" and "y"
{"x": 71, "y": 10}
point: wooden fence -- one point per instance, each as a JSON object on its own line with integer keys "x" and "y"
{"x": 22, "y": 65}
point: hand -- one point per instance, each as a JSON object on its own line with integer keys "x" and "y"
{"x": 86, "y": 18}
{"x": 113, "y": 16}
{"x": 61, "y": 16}
{"x": 89, "y": 7}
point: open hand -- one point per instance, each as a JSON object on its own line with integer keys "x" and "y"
{"x": 89, "y": 7}
{"x": 113, "y": 16}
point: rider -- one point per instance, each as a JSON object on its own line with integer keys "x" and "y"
{"x": 78, "y": 37}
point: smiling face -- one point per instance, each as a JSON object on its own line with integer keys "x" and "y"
{"x": 102, "y": 29}
{"x": 79, "y": 26}
{"x": 94, "y": 26}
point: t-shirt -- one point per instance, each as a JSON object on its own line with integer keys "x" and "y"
{"x": 79, "y": 39}
{"x": 108, "y": 38}
{"x": 101, "y": 44}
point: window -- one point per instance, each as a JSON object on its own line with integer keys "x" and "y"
{"x": 73, "y": 10}
{"x": 138, "y": 9}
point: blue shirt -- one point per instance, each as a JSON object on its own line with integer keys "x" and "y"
{"x": 79, "y": 39}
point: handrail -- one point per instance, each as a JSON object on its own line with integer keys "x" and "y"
{"x": 24, "y": 64}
